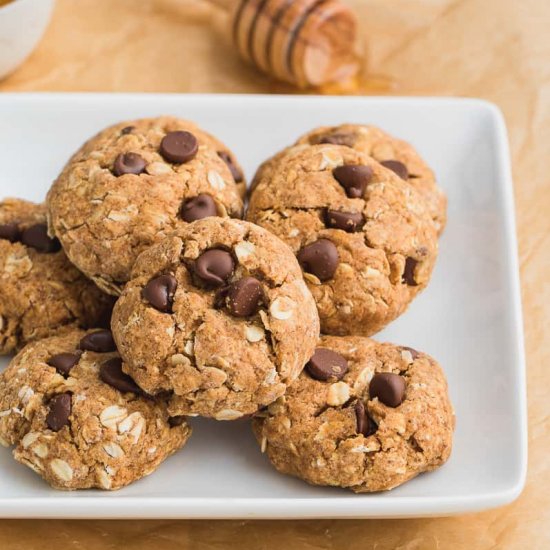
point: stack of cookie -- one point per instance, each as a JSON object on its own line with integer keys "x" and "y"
{"x": 218, "y": 317}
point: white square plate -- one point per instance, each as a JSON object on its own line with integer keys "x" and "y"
{"x": 469, "y": 318}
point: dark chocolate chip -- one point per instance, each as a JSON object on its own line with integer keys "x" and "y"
{"x": 60, "y": 410}
{"x": 397, "y": 167}
{"x": 179, "y": 147}
{"x": 197, "y": 208}
{"x": 338, "y": 139}
{"x": 127, "y": 130}
{"x": 10, "y": 232}
{"x": 160, "y": 291}
{"x": 176, "y": 421}
{"x": 64, "y": 362}
{"x": 104, "y": 319}
{"x": 388, "y": 387}
{"x": 214, "y": 266}
{"x": 354, "y": 179}
{"x": 326, "y": 364}
{"x": 365, "y": 425}
{"x": 233, "y": 168}
{"x": 111, "y": 373}
{"x": 244, "y": 296}
{"x": 412, "y": 351}
{"x": 37, "y": 237}
{"x": 408, "y": 273}
{"x": 100, "y": 341}
{"x": 347, "y": 221}
{"x": 319, "y": 258}
{"x": 128, "y": 163}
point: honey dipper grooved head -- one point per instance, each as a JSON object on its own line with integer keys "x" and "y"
{"x": 304, "y": 42}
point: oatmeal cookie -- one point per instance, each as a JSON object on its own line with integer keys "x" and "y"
{"x": 132, "y": 184}
{"x": 77, "y": 420}
{"x": 40, "y": 291}
{"x": 363, "y": 236}
{"x": 219, "y": 315}
{"x": 362, "y": 415}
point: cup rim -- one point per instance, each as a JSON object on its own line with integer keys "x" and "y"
{"x": 7, "y": 6}
{"x": 11, "y": 5}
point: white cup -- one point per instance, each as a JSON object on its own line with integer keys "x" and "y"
{"x": 22, "y": 24}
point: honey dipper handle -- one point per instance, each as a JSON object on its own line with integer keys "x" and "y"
{"x": 226, "y": 5}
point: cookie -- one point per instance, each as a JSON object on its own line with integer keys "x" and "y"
{"x": 395, "y": 154}
{"x": 41, "y": 292}
{"x": 363, "y": 236}
{"x": 218, "y": 315}
{"x": 362, "y": 415}
{"x": 77, "y": 420}
{"x": 134, "y": 183}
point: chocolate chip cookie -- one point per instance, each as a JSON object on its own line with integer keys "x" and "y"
{"x": 362, "y": 415}
{"x": 132, "y": 184}
{"x": 77, "y": 420}
{"x": 40, "y": 291}
{"x": 395, "y": 154}
{"x": 363, "y": 236}
{"x": 218, "y": 315}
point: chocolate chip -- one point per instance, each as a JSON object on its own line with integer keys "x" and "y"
{"x": 179, "y": 147}
{"x": 338, "y": 139}
{"x": 365, "y": 425}
{"x": 64, "y": 362}
{"x": 214, "y": 266}
{"x": 176, "y": 421}
{"x": 127, "y": 130}
{"x": 244, "y": 296}
{"x": 197, "y": 208}
{"x": 37, "y": 237}
{"x": 111, "y": 373}
{"x": 104, "y": 319}
{"x": 412, "y": 351}
{"x": 347, "y": 221}
{"x": 353, "y": 179}
{"x": 388, "y": 387}
{"x": 397, "y": 167}
{"x": 319, "y": 258}
{"x": 10, "y": 232}
{"x": 233, "y": 168}
{"x": 100, "y": 341}
{"x": 408, "y": 273}
{"x": 60, "y": 410}
{"x": 326, "y": 364}
{"x": 160, "y": 291}
{"x": 128, "y": 163}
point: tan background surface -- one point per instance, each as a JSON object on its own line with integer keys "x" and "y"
{"x": 495, "y": 49}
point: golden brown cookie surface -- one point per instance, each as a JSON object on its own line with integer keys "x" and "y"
{"x": 218, "y": 314}
{"x": 77, "y": 420}
{"x": 396, "y": 154}
{"x": 41, "y": 292}
{"x": 362, "y": 415}
{"x": 363, "y": 236}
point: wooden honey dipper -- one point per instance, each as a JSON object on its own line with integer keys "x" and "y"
{"x": 304, "y": 42}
